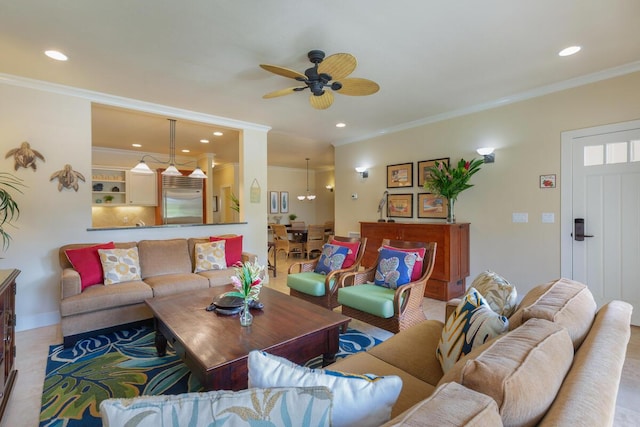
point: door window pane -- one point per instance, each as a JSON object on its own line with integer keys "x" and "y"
{"x": 616, "y": 152}
{"x": 593, "y": 155}
{"x": 635, "y": 150}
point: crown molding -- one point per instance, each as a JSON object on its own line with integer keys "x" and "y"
{"x": 133, "y": 104}
{"x": 522, "y": 96}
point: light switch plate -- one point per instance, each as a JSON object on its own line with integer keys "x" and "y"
{"x": 548, "y": 218}
{"x": 520, "y": 217}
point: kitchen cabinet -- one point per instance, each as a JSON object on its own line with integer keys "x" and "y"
{"x": 8, "y": 371}
{"x": 451, "y": 268}
{"x": 109, "y": 186}
{"x": 142, "y": 189}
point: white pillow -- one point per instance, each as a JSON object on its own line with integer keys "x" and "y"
{"x": 471, "y": 324}
{"x": 294, "y": 406}
{"x": 210, "y": 256}
{"x": 358, "y": 400}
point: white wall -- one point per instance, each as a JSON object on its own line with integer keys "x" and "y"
{"x": 526, "y": 136}
{"x": 59, "y": 126}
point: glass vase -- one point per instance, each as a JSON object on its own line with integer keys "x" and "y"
{"x": 246, "y": 318}
{"x": 451, "y": 216}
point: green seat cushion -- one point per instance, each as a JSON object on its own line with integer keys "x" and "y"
{"x": 372, "y": 299}
{"x": 309, "y": 283}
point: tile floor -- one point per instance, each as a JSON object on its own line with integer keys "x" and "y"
{"x": 23, "y": 409}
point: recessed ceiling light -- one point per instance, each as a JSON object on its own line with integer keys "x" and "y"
{"x": 217, "y": 133}
{"x": 54, "y": 54}
{"x": 340, "y": 125}
{"x": 186, "y": 151}
{"x": 136, "y": 145}
{"x": 204, "y": 141}
{"x": 569, "y": 50}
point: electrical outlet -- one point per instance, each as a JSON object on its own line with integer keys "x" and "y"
{"x": 354, "y": 196}
{"x": 520, "y": 217}
{"x": 548, "y": 218}
{"x": 125, "y": 220}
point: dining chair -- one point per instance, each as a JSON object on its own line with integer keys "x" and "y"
{"x": 315, "y": 239}
{"x": 283, "y": 243}
{"x": 320, "y": 289}
{"x": 390, "y": 309}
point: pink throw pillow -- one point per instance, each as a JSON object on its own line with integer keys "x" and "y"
{"x": 86, "y": 262}
{"x": 416, "y": 273}
{"x": 232, "y": 248}
{"x": 351, "y": 255}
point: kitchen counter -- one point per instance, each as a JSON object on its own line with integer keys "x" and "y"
{"x": 127, "y": 227}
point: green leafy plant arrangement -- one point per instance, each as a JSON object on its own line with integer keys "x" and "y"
{"x": 9, "y": 209}
{"x": 235, "y": 203}
{"x": 292, "y": 217}
{"x": 450, "y": 181}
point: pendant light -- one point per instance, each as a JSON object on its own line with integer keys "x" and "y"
{"x": 308, "y": 196}
{"x": 143, "y": 168}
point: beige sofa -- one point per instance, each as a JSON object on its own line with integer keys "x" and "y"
{"x": 528, "y": 376}
{"x": 166, "y": 268}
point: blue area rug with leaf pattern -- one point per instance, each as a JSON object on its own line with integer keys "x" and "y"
{"x": 125, "y": 364}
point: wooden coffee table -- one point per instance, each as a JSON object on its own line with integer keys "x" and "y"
{"x": 215, "y": 347}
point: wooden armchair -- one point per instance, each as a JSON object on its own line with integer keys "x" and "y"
{"x": 390, "y": 309}
{"x": 318, "y": 288}
{"x": 315, "y": 239}
{"x": 282, "y": 242}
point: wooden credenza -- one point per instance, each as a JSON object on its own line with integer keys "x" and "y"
{"x": 8, "y": 371}
{"x": 452, "y": 254}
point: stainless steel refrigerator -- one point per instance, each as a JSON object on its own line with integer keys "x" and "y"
{"x": 182, "y": 199}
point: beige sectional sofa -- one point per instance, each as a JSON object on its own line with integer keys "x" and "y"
{"x": 527, "y": 376}
{"x": 166, "y": 267}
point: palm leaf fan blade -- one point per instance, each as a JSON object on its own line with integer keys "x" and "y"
{"x": 282, "y": 71}
{"x": 358, "y": 87}
{"x": 321, "y": 102}
{"x": 281, "y": 92}
{"x": 338, "y": 65}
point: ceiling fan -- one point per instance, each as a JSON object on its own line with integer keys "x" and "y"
{"x": 326, "y": 73}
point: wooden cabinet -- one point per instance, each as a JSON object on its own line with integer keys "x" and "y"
{"x": 7, "y": 335}
{"x": 141, "y": 189}
{"x": 452, "y": 254}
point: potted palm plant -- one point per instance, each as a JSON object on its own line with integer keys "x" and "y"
{"x": 9, "y": 210}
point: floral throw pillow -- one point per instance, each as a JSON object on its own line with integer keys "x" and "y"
{"x": 332, "y": 258}
{"x": 120, "y": 265}
{"x": 497, "y": 291}
{"x": 471, "y": 324}
{"x": 394, "y": 268}
{"x": 210, "y": 256}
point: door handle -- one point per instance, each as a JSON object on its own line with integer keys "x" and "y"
{"x": 578, "y": 230}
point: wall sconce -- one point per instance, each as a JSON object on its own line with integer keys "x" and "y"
{"x": 328, "y": 187}
{"x": 487, "y": 153}
{"x": 364, "y": 173}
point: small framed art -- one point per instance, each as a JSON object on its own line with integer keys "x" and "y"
{"x": 400, "y": 205}
{"x": 284, "y": 202}
{"x": 425, "y": 165}
{"x": 432, "y": 205}
{"x": 400, "y": 176}
{"x": 548, "y": 181}
{"x": 273, "y": 202}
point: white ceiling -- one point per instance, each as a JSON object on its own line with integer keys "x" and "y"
{"x": 431, "y": 58}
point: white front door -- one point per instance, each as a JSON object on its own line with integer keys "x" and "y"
{"x": 601, "y": 167}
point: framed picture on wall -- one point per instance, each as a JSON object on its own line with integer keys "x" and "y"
{"x": 400, "y": 205}
{"x": 400, "y": 176}
{"x": 273, "y": 202}
{"x": 432, "y": 205}
{"x": 284, "y": 202}
{"x": 425, "y": 165}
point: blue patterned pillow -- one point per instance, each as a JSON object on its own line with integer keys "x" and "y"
{"x": 332, "y": 258}
{"x": 394, "y": 268}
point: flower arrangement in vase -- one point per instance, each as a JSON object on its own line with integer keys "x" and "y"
{"x": 247, "y": 282}
{"x": 449, "y": 181}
